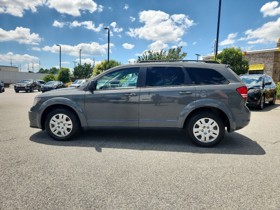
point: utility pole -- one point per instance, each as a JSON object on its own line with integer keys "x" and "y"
{"x": 108, "y": 29}
{"x": 80, "y": 56}
{"x": 218, "y": 30}
{"x": 59, "y": 55}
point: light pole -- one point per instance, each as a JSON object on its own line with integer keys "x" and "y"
{"x": 197, "y": 55}
{"x": 218, "y": 29}
{"x": 59, "y": 55}
{"x": 108, "y": 29}
{"x": 80, "y": 56}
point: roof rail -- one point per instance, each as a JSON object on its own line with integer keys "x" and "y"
{"x": 158, "y": 61}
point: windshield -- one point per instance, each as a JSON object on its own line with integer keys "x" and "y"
{"x": 252, "y": 81}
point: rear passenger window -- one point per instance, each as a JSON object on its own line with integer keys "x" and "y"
{"x": 164, "y": 76}
{"x": 201, "y": 76}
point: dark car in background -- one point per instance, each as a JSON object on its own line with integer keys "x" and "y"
{"x": 2, "y": 86}
{"x": 27, "y": 85}
{"x": 261, "y": 89}
{"x": 51, "y": 85}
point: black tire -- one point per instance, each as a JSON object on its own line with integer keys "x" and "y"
{"x": 31, "y": 89}
{"x": 16, "y": 91}
{"x": 56, "y": 122}
{"x": 261, "y": 103}
{"x": 205, "y": 129}
{"x": 274, "y": 100}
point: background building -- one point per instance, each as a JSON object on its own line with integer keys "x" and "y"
{"x": 9, "y": 68}
{"x": 262, "y": 61}
{"x": 265, "y": 61}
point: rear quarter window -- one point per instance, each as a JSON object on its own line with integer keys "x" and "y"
{"x": 204, "y": 76}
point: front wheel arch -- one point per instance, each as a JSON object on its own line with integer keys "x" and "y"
{"x": 50, "y": 108}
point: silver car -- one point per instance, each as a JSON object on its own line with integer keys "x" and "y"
{"x": 203, "y": 99}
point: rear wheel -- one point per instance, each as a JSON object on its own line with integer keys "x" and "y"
{"x": 62, "y": 124}
{"x": 206, "y": 129}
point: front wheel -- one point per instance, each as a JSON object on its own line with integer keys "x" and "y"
{"x": 62, "y": 124}
{"x": 205, "y": 129}
{"x": 273, "y": 100}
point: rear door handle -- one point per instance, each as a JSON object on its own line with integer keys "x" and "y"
{"x": 185, "y": 92}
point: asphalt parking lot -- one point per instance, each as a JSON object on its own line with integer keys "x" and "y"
{"x": 136, "y": 169}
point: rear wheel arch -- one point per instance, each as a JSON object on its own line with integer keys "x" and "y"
{"x": 218, "y": 112}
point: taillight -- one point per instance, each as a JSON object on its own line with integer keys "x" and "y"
{"x": 243, "y": 91}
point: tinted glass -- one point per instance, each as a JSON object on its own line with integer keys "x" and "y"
{"x": 203, "y": 76}
{"x": 164, "y": 76}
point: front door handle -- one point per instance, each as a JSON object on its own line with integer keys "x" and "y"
{"x": 185, "y": 92}
{"x": 130, "y": 94}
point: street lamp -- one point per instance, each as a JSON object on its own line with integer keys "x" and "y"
{"x": 197, "y": 55}
{"x": 59, "y": 55}
{"x": 80, "y": 56}
{"x": 108, "y": 29}
{"x": 218, "y": 29}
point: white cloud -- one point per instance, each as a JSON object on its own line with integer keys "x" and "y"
{"x": 126, "y": 7}
{"x": 17, "y": 7}
{"x": 88, "y": 49}
{"x": 229, "y": 40}
{"x": 20, "y": 35}
{"x": 36, "y": 49}
{"x": 86, "y": 24}
{"x": 128, "y": 46}
{"x": 73, "y": 7}
{"x": 70, "y": 7}
{"x": 58, "y": 24}
{"x": 84, "y": 60}
{"x": 132, "y": 19}
{"x": 116, "y": 28}
{"x": 157, "y": 46}
{"x": 268, "y": 33}
{"x": 18, "y": 58}
{"x": 270, "y": 9}
{"x": 160, "y": 26}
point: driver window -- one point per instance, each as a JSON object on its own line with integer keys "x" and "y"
{"x": 119, "y": 79}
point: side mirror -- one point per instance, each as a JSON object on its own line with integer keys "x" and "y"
{"x": 268, "y": 83}
{"x": 92, "y": 86}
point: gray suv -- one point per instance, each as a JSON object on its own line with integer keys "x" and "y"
{"x": 203, "y": 99}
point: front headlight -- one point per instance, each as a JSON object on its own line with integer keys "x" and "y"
{"x": 254, "y": 90}
{"x": 36, "y": 100}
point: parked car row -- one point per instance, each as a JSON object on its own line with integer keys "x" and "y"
{"x": 28, "y": 85}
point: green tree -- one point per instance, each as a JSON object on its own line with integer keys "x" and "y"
{"x": 53, "y": 70}
{"x": 234, "y": 58}
{"x": 64, "y": 75}
{"x": 171, "y": 54}
{"x": 104, "y": 65}
{"x": 82, "y": 71}
{"x": 43, "y": 71}
{"x": 49, "y": 77}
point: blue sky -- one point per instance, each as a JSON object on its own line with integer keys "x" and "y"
{"x": 31, "y": 29}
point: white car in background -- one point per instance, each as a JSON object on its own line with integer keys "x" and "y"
{"x": 78, "y": 82}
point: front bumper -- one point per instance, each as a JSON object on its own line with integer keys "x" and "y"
{"x": 33, "y": 120}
